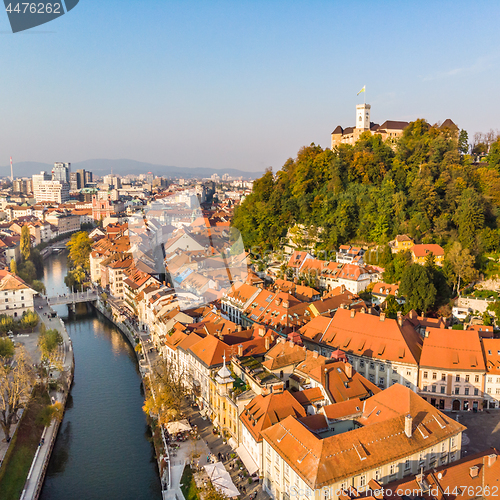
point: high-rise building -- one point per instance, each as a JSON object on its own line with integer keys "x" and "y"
{"x": 74, "y": 185}
{"x": 61, "y": 171}
{"x": 52, "y": 191}
{"x": 23, "y": 186}
{"x": 88, "y": 177}
{"x": 37, "y": 178}
{"x": 112, "y": 181}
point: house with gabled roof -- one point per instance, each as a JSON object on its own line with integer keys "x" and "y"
{"x": 452, "y": 369}
{"x": 384, "y": 438}
{"x": 386, "y": 351}
{"x": 259, "y": 414}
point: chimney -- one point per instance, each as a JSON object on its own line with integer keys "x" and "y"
{"x": 286, "y": 304}
{"x": 238, "y": 328}
{"x": 353, "y": 313}
{"x": 315, "y": 354}
{"x": 400, "y": 318}
{"x": 262, "y": 331}
{"x": 267, "y": 343}
{"x": 240, "y": 350}
{"x": 278, "y": 388}
{"x": 408, "y": 425}
{"x": 426, "y": 333}
{"x": 291, "y": 343}
{"x": 491, "y": 459}
{"x": 342, "y": 289}
{"x": 369, "y": 310}
{"x": 474, "y": 471}
{"x": 413, "y": 314}
{"x": 382, "y": 316}
{"x": 221, "y": 337}
{"x": 348, "y": 370}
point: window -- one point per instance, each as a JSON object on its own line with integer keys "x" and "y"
{"x": 452, "y": 443}
{"x": 372, "y": 366}
{"x": 382, "y": 368}
{"x": 407, "y": 464}
{"x": 442, "y": 446}
{"x": 408, "y": 373}
{"x": 443, "y": 388}
{"x": 457, "y": 378}
{"x": 394, "y": 381}
{"x": 372, "y": 379}
{"x": 476, "y": 392}
{"x": 381, "y": 381}
{"x": 377, "y": 475}
{"x": 362, "y": 481}
{"x": 361, "y": 363}
{"x": 443, "y": 377}
{"x": 433, "y": 388}
{"x": 425, "y": 374}
{"x": 467, "y": 377}
{"x": 476, "y": 378}
{"x": 392, "y": 470}
{"x": 490, "y": 380}
{"x": 497, "y": 391}
{"x": 287, "y": 470}
{"x": 434, "y": 375}
{"x": 466, "y": 390}
{"x": 489, "y": 390}
{"x": 457, "y": 390}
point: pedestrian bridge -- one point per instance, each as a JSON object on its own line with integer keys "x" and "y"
{"x": 73, "y": 298}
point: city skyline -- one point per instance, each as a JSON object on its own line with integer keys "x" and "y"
{"x": 238, "y": 86}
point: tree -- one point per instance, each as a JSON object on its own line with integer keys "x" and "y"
{"x": 75, "y": 278}
{"x": 27, "y": 271}
{"x": 80, "y": 246}
{"x": 461, "y": 263}
{"x": 463, "y": 142}
{"x": 6, "y": 348}
{"x": 13, "y": 266}
{"x": 469, "y": 217}
{"x": 52, "y": 412}
{"x": 38, "y": 286}
{"x": 48, "y": 342}
{"x": 29, "y": 319}
{"x": 417, "y": 287}
{"x": 16, "y": 382}
{"x": 25, "y": 242}
{"x": 168, "y": 390}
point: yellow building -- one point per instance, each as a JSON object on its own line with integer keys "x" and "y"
{"x": 401, "y": 243}
{"x": 419, "y": 254}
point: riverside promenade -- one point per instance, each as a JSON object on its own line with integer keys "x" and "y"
{"x": 40, "y": 462}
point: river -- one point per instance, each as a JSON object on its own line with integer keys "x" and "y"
{"x": 103, "y": 449}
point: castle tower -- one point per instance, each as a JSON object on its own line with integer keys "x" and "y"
{"x": 363, "y": 116}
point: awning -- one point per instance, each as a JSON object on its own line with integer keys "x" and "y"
{"x": 179, "y": 426}
{"x": 231, "y": 442}
{"x": 221, "y": 480}
{"x": 247, "y": 459}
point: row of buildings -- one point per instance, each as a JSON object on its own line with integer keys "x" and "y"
{"x": 319, "y": 394}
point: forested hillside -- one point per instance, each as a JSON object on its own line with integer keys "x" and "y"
{"x": 427, "y": 188}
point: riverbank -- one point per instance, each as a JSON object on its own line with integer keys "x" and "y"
{"x": 111, "y": 311}
{"x": 40, "y": 446}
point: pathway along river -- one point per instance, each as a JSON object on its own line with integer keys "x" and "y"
{"x": 102, "y": 451}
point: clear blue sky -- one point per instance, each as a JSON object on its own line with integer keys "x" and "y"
{"x": 239, "y": 84}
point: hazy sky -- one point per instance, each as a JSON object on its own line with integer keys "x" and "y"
{"x": 239, "y": 84}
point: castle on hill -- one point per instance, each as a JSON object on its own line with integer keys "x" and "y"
{"x": 390, "y": 129}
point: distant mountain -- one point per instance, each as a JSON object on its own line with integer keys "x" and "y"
{"x": 123, "y": 167}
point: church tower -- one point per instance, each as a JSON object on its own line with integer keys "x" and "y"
{"x": 363, "y": 116}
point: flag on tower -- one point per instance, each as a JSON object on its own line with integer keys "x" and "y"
{"x": 362, "y": 90}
